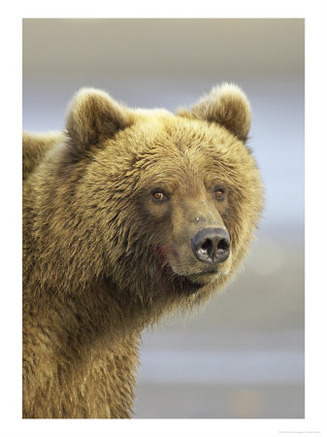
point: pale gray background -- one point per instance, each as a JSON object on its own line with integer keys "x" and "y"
{"x": 243, "y": 354}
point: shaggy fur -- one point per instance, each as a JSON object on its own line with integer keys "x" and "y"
{"x": 103, "y": 258}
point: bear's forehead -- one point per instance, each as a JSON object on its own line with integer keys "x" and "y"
{"x": 174, "y": 149}
{"x": 174, "y": 137}
{"x": 169, "y": 129}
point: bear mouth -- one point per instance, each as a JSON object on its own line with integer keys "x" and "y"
{"x": 182, "y": 283}
{"x": 189, "y": 284}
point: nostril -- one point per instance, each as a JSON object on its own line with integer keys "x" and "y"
{"x": 223, "y": 244}
{"x": 207, "y": 245}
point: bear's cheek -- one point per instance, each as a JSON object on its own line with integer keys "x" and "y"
{"x": 169, "y": 255}
{"x": 178, "y": 257}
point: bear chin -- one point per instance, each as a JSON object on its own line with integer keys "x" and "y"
{"x": 182, "y": 284}
{"x": 190, "y": 284}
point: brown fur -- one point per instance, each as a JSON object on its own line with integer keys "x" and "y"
{"x": 102, "y": 259}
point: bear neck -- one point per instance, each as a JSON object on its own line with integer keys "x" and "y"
{"x": 87, "y": 319}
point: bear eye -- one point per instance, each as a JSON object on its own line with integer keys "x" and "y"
{"x": 159, "y": 195}
{"x": 219, "y": 193}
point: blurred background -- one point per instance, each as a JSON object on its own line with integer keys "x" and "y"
{"x": 241, "y": 356}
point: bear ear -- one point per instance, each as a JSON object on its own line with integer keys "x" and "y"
{"x": 226, "y": 105}
{"x": 94, "y": 116}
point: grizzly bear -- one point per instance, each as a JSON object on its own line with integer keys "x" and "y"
{"x": 128, "y": 215}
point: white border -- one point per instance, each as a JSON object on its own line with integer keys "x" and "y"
{"x": 314, "y": 13}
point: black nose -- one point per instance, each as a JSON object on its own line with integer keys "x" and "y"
{"x": 211, "y": 245}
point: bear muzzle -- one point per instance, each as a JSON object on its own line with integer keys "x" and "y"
{"x": 211, "y": 246}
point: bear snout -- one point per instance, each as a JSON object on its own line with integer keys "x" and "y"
{"x": 211, "y": 245}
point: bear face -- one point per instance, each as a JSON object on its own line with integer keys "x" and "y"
{"x": 163, "y": 206}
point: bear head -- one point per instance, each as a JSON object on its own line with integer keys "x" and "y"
{"x": 161, "y": 207}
